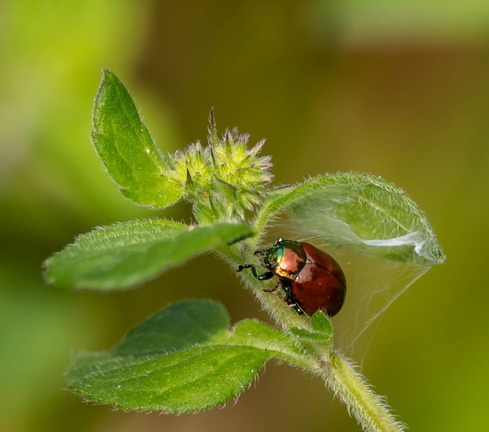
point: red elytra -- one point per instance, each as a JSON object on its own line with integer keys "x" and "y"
{"x": 321, "y": 284}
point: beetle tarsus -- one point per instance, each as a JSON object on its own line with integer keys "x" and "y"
{"x": 242, "y": 267}
{"x": 272, "y": 289}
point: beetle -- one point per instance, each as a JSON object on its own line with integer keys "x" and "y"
{"x": 311, "y": 278}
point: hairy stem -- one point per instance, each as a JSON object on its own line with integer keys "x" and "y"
{"x": 368, "y": 408}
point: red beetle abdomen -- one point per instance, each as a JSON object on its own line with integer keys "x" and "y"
{"x": 321, "y": 284}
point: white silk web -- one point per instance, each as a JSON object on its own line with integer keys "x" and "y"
{"x": 374, "y": 278}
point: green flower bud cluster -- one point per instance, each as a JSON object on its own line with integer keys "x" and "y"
{"x": 224, "y": 178}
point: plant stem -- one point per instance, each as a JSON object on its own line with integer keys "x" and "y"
{"x": 368, "y": 408}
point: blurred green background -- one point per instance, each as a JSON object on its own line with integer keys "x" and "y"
{"x": 393, "y": 88}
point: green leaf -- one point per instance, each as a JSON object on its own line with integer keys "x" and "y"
{"x": 126, "y": 148}
{"x": 128, "y": 253}
{"x": 362, "y": 212}
{"x": 323, "y": 329}
{"x": 321, "y": 323}
{"x": 309, "y": 336}
{"x": 183, "y": 359}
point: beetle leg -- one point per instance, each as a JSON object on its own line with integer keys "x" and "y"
{"x": 264, "y": 276}
{"x": 290, "y": 299}
{"x": 245, "y": 266}
{"x": 288, "y": 292}
{"x": 296, "y": 307}
{"x": 272, "y": 289}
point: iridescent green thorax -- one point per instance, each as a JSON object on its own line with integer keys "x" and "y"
{"x": 286, "y": 258}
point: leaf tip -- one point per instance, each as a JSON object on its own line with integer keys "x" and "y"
{"x": 48, "y": 280}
